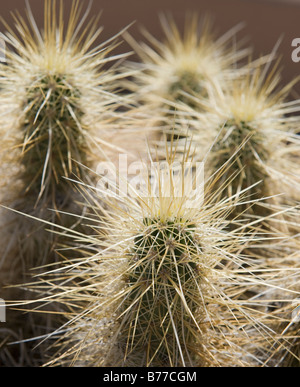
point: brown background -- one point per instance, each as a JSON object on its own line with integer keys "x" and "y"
{"x": 265, "y": 20}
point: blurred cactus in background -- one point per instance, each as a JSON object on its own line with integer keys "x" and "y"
{"x": 181, "y": 66}
{"x": 252, "y": 122}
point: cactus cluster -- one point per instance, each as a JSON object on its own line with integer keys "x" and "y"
{"x": 173, "y": 272}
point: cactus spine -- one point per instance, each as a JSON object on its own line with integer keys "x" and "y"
{"x": 56, "y": 99}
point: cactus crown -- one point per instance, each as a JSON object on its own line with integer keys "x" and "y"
{"x": 184, "y": 60}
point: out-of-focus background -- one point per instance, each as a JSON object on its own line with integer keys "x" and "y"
{"x": 266, "y": 21}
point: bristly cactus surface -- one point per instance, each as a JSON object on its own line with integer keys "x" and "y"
{"x": 253, "y": 136}
{"x": 55, "y": 95}
{"x": 163, "y": 262}
{"x": 187, "y": 62}
{"x": 52, "y": 131}
{"x": 64, "y": 94}
{"x": 183, "y": 64}
{"x": 240, "y": 142}
{"x": 58, "y": 94}
{"x": 187, "y": 82}
{"x": 153, "y": 278}
{"x": 162, "y": 283}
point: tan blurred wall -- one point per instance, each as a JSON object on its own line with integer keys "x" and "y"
{"x": 265, "y": 20}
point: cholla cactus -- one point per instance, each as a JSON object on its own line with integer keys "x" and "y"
{"x": 161, "y": 278}
{"x": 163, "y": 283}
{"x": 291, "y": 357}
{"x": 182, "y": 65}
{"x": 56, "y": 98}
{"x": 63, "y": 93}
{"x": 253, "y": 130}
{"x": 254, "y": 143}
